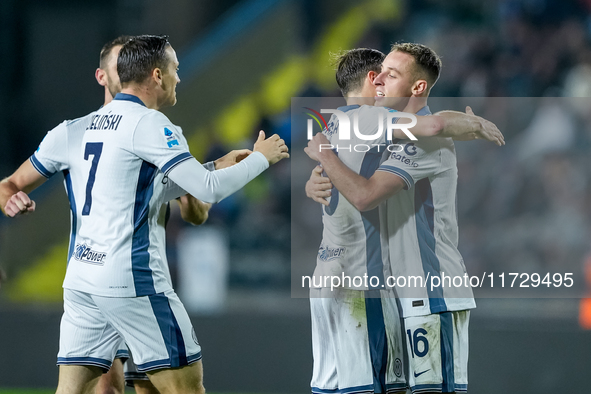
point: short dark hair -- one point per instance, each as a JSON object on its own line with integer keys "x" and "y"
{"x": 353, "y": 65}
{"x": 140, "y": 55}
{"x": 427, "y": 62}
{"x": 106, "y": 50}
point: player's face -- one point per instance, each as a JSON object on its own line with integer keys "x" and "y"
{"x": 113, "y": 83}
{"x": 394, "y": 83}
{"x": 170, "y": 78}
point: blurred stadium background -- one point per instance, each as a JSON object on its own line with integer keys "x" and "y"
{"x": 522, "y": 208}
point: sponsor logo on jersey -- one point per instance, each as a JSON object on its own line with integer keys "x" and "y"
{"x": 410, "y": 150}
{"x": 326, "y": 253}
{"x": 170, "y": 138}
{"x": 420, "y": 373}
{"x": 84, "y": 253}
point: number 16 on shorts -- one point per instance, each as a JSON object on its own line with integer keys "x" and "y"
{"x": 437, "y": 347}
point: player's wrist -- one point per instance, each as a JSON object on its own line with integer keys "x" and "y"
{"x": 325, "y": 154}
{"x": 259, "y": 156}
{"x": 478, "y": 125}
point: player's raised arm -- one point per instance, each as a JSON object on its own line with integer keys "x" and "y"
{"x": 457, "y": 125}
{"x": 365, "y": 194}
{"x": 14, "y": 199}
{"x": 195, "y": 211}
{"x": 232, "y": 158}
{"x": 467, "y": 126}
{"x": 214, "y": 186}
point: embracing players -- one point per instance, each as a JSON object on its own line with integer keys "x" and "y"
{"x": 341, "y": 335}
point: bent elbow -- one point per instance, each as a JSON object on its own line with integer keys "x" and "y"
{"x": 363, "y": 204}
{"x": 199, "y": 220}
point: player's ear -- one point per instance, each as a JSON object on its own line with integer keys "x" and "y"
{"x": 157, "y": 75}
{"x": 371, "y": 76}
{"x": 101, "y": 76}
{"x": 419, "y": 87}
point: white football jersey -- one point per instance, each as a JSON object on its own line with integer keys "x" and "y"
{"x": 115, "y": 163}
{"x": 351, "y": 242}
{"x": 421, "y": 228}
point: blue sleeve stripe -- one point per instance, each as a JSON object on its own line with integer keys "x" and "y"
{"x": 175, "y": 161}
{"x": 401, "y": 173}
{"x": 39, "y": 167}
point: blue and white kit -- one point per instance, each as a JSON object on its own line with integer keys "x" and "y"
{"x": 419, "y": 224}
{"x": 356, "y": 337}
{"x": 120, "y": 165}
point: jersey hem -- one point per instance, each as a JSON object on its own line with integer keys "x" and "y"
{"x": 166, "y": 363}
{"x": 97, "y": 362}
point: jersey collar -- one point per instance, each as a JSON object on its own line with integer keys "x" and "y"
{"x": 424, "y": 111}
{"x": 128, "y": 97}
{"x": 348, "y": 107}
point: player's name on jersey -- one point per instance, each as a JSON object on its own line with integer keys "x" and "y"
{"x": 105, "y": 122}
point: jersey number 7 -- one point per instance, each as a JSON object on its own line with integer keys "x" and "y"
{"x": 95, "y": 149}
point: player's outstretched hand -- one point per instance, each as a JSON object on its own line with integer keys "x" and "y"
{"x": 488, "y": 131}
{"x": 273, "y": 148}
{"x": 19, "y": 204}
{"x": 316, "y": 144}
{"x": 234, "y": 157}
{"x": 318, "y": 186}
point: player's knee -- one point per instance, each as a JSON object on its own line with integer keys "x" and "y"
{"x": 144, "y": 387}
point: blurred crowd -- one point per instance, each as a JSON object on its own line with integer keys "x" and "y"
{"x": 524, "y": 207}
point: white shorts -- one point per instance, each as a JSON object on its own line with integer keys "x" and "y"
{"x": 356, "y": 342}
{"x": 437, "y": 347}
{"x": 122, "y": 352}
{"x": 156, "y": 328}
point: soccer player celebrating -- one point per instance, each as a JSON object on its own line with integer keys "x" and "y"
{"x": 117, "y": 171}
{"x": 192, "y": 210}
{"x": 419, "y": 215}
{"x": 356, "y": 338}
